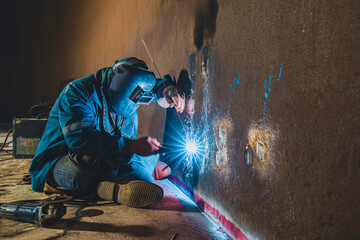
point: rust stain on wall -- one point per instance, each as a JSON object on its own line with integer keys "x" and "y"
{"x": 222, "y": 131}
{"x": 262, "y": 137}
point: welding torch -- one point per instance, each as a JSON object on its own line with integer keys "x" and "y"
{"x": 162, "y": 150}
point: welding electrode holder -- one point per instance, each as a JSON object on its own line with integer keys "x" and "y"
{"x": 162, "y": 150}
{"x": 41, "y": 212}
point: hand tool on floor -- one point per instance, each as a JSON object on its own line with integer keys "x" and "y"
{"x": 41, "y": 212}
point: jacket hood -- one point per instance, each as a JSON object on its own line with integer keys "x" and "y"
{"x": 104, "y": 76}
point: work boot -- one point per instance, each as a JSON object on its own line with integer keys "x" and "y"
{"x": 131, "y": 193}
{"x": 161, "y": 171}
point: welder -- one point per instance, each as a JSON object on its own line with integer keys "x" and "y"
{"x": 90, "y": 145}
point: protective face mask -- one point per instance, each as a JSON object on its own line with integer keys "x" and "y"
{"x": 130, "y": 87}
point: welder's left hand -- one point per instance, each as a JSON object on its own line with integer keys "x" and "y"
{"x": 173, "y": 97}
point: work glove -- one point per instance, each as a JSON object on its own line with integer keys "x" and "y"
{"x": 144, "y": 146}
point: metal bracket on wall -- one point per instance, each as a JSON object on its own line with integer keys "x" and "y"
{"x": 260, "y": 150}
{"x": 248, "y": 155}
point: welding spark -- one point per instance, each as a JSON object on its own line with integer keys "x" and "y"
{"x": 191, "y": 147}
{"x": 184, "y": 146}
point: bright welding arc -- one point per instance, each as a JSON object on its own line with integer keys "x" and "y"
{"x": 184, "y": 148}
{"x": 191, "y": 147}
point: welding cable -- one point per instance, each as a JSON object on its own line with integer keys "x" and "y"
{"x": 42, "y": 115}
{"x": 3, "y": 145}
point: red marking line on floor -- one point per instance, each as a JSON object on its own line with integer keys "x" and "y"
{"x": 203, "y": 205}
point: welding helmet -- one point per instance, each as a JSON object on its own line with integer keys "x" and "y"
{"x": 131, "y": 85}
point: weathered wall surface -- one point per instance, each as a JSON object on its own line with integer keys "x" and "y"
{"x": 305, "y": 186}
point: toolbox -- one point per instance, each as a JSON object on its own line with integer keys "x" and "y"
{"x": 26, "y": 136}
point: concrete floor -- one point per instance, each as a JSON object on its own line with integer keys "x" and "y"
{"x": 174, "y": 217}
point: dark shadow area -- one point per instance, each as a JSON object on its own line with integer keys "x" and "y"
{"x": 131, "y": 230}
{"x": 7, "y": 185}
{"x": 77, "y": 202}
{"x": 205, "y": 22}
{"x": 5, "y": 127}
{"x": 62, "y": 85}
{"x": 184, "y": 83}
{"x": 6, "y": 159}
{"x": 199, "y": 30}
{"x": 89, "y": 213}
{"x": 9, "y": 45}
{"x": 12, "y": 235}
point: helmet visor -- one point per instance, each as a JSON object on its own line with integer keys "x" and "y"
{"x": 139, "y": 96}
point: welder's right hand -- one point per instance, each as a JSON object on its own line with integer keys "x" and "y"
{"x": 144, "y": 146}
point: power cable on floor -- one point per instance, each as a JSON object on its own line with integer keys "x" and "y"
{"x": 7, "y": 135}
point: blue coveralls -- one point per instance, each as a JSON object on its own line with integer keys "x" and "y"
{"x": 80, "y": 121}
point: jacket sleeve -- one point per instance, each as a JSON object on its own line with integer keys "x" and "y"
{"x": 77, "y": 117}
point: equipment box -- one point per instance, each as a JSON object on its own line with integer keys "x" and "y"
{"x": 26, "y": 136}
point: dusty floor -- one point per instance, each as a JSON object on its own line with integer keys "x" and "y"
{"x": 174, "y": 217}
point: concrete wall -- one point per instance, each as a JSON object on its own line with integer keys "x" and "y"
{"x": 306, "y": 184}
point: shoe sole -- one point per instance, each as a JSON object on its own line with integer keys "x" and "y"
{"x": 135, "y": 193}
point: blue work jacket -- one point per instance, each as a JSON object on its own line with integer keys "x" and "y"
{"x": 80, "y": 120}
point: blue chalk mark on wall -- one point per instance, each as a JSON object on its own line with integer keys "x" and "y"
{"x": 236, "y": 82}
{"x": 267, "y": 88}
{"x": 233, "y": 87}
